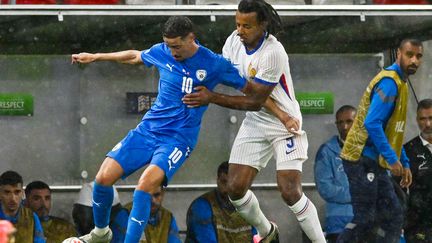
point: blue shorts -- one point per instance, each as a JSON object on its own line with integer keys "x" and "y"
{"x": 137, "y": 150}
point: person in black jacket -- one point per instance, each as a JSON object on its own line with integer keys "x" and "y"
{"x": 418, "y": 226}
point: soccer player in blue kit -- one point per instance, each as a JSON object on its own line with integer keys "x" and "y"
{"x": 168, "y": 132}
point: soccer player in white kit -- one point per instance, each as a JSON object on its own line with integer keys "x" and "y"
{"x": 274, "y": 130}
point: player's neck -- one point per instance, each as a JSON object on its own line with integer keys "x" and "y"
{"x": 193, "y": 50}
{"x": 256, "y": 43}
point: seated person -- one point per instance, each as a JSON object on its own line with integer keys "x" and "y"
{"x": 418, "y": 226}
{"x": 38, "y": 199}
{"x": 212, "y": 218}
{"x": 82, "y": 214}
{"x": 162, "y": 225}
{"x": 27, "y": 224}
{"x": 330, "y": 178}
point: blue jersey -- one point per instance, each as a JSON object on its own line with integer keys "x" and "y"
{"x": 169, "y": 119}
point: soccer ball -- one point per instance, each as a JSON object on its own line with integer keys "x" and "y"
{"x": 72, "y": 240}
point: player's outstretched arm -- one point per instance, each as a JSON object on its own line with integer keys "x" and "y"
{"x": 129, "y": 57}
{"x": 254, "y": 98}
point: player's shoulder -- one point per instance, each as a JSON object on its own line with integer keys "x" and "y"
{"x": 274, "y": 46}
{"x": 233, "y": 40}
{"x": 211, "y": 58}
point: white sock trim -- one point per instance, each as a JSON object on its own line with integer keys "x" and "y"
{"x": 248, "y": 208}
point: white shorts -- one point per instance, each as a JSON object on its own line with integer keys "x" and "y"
{"x": 258, "y": 141}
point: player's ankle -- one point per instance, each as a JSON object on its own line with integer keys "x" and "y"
{"x": 101, "y": 231}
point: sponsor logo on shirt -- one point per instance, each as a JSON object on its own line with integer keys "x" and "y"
{"x": 170, "y": 66}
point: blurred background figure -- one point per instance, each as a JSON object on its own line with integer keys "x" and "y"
{"x": 38, "y": 199}
{"x": 162, "y": 225}
{"x": 26, "y": 222}
{"x": 82, "y": 214}
{"x": 330, "y": 177}
{"x": 7, "y": 231}
{"x": 212, "y": 218}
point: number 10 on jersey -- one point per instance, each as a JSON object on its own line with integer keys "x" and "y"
{"x": 187, "y": 85}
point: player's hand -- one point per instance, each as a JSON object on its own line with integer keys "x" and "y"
{"x": 396, "y": 168}
{"x": 201, "y": 96}
{"x": 292, "y": 124}
{"x": 406, "y": 178}
{"x": 83, "y": 57}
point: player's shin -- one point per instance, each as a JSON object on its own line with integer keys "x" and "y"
{"x": 103, "y": 197}
{"x": 307, "y": 216}
{"x": 139, "y": 216}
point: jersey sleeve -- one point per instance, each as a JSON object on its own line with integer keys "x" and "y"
{"x": 381, "y": 107}
{"x": 270, "y": 67}
{"x": 173, "y": 235}
{"x": 229, "y": 75}
{"x": 226, "y": 50}
{"x": 150, "y": 56}
{"x": 199, "y": 222}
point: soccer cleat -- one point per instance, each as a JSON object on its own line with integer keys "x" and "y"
{"x": 271, "y": 237}
{"x": 91, "y": 238}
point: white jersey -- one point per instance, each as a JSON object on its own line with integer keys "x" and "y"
{"x": 267, "y": 64}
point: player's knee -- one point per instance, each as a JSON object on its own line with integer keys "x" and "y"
{"x": 291, "y": 194}
{"x": 236, "y": 190}
{"x": 148, "y": 184}
{"x": 104, "y": 179}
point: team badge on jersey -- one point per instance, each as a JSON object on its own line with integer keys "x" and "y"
{"x": 251, "y": 71}
{"x": 201, "y": 74}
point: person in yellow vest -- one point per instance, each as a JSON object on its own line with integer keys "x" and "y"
{"x": 27, "y": 224}
{"x": 374, "y": 145}
{"x": 162, "y": 226}
{"x": 38, "y": 199}
{"x": 212, "y": 218}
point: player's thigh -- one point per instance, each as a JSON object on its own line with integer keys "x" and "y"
{"x": 109, "y": 172}
{"x": 169, "y": 158}
{"x": 151, "y": 179}
{"x": 251, "y": 148}
{"x": 133, "y": 152}
{"x": 291, "y": 152}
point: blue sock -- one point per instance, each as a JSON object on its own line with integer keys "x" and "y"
{"x": 139, "y": 216}
{"x": 103, "y": 197}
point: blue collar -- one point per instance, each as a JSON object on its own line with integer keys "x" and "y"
{"x": 12, "y": 219}
{"x": 258, "y": 46}
{"x": 396, "y": 67}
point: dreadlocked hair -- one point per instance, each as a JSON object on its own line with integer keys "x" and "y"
{"x": 265, "y": 12}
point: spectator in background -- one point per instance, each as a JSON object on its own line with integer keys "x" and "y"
{"x": 162, "y": 225}
{"x": 27, "y": 224}
{"x": 38, "y": 199}
{"x": 82, "y": 214}
{"x": 419, "y": 151}
{"x": 330, "y": 177}
{"x": 211, "y": 218}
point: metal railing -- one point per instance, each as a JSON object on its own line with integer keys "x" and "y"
{"x": 216, "y": 10}
{"x": 177, "y": 187}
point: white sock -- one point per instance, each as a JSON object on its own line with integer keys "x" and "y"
{"x": 101, "y": 231}
{"x": 248, "y": 208}
{"x": 307, "y": 216}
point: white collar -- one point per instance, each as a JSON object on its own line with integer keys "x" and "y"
{"x": 424, "y": 141}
